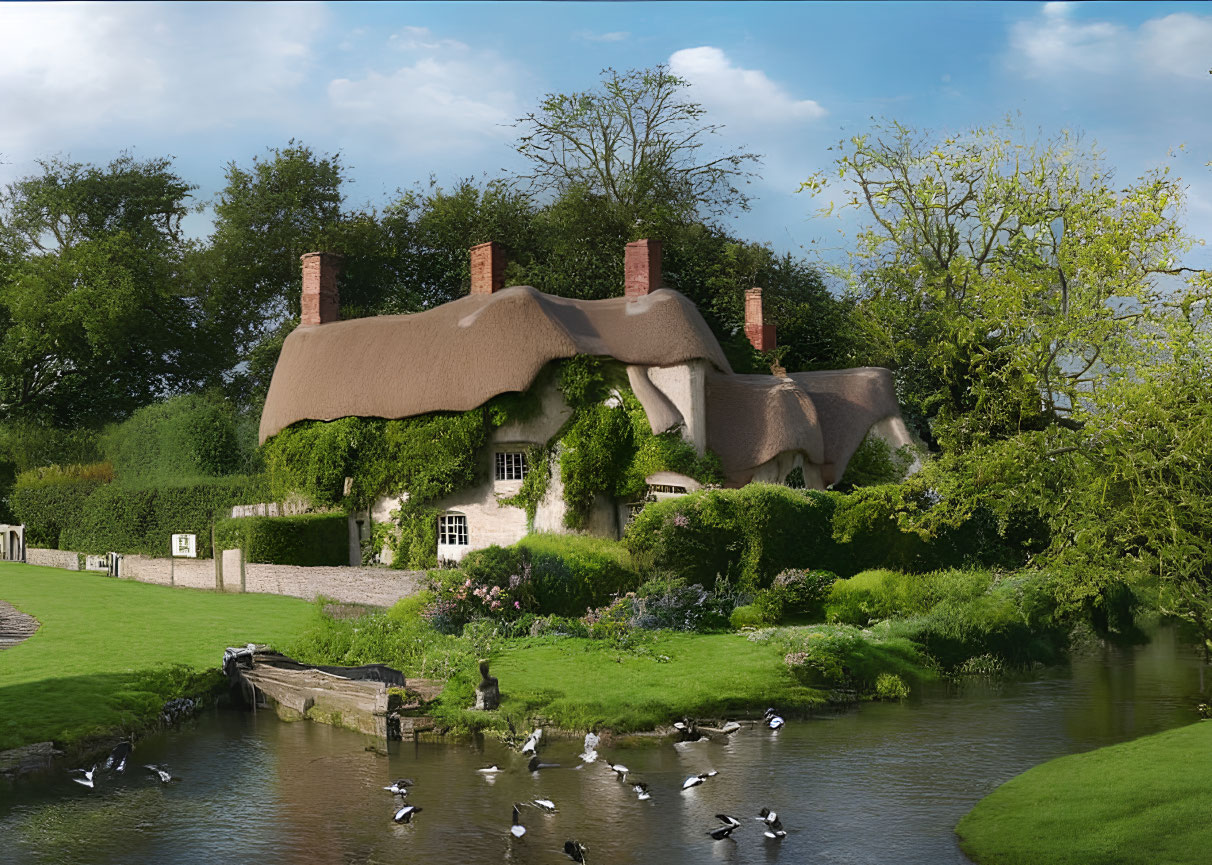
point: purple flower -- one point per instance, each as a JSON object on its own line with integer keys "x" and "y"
{"x": 516, "y": 605}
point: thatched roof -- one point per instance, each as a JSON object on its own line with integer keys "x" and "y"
{"x": 751, "y": 419}
{"x": 459, "y": 355}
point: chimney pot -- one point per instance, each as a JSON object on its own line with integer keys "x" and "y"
{"x": 642, "y": 268}
{"x": 320, "y": 303}
{"x": 760, "y": 334}
{"x": 487, "y": 268}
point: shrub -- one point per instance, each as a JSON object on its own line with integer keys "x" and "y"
{"x": 673, "y": 605}
{"x": 803, "y": 593}
{"x": 890, "y": 686}
{"x": 49, "y": 499}
{"x": 747, "y": 616}
{"x": 834, "y": 656}
{"x": 308, "y": 539}
{"x": 141, "y": 521}
{"x": 184, "y": 438}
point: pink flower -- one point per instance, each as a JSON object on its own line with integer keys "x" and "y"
{"x": 516, "y": 605}
{"x": 496, "y": 605}
{"x": 467, "y": 584}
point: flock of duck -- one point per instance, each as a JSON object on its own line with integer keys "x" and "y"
{"x": 773, "y": 830}
{"x": 771, "y": 825}
{"x": 115, "y": 764}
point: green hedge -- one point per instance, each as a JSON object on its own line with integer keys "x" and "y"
{"x": 750, "y": 534}
{"x": 141, "y": 521}
{"x": 48, "y": 509}
{"x": 309, "y": 539}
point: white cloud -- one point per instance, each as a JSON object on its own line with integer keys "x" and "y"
{"x": 1053, "y": 44}
{"x": 736, "y": 94}
{"x": 74, "y": 68}
{"x": 448, "y": 97}
{"x": 1179, "y": 45}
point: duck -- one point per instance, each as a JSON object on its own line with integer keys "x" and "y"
{"x": 532, "y": 742}
{"x": 87, "y": 780}
{"x": 117, "y": 757}
{"x": 575, "y": 851}
{"x": 590, "y": 754}
{"x": 695, "y": 780}
{"x": 641, "y": 790}
{"x": 724, "y": 831}
{"x": 160, "y": 772}
{"x": 619, "y": 769}
{"x": 400, "y": 786}
{"x": 534, "y": 765}
{"x": 772, "y": 719}
{"x": 517, "y": 830}
{"x": 404, "y": 814}
{"x": 544, "y": 805}
{"x": 774, "y": 826}
{"x": 490, "y": 770}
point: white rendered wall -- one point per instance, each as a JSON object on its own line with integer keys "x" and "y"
{"x": 685, "y": 385}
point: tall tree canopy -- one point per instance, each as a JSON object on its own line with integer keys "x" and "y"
{"x": 638, "y": 143}
{"x": 94, "y": 317}
{"x": 1002, "y": 278}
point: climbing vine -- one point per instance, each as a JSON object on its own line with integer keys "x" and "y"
{"x": 605, "y": 448}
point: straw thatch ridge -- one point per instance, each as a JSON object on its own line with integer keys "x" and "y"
{"x": 459, "y": 355}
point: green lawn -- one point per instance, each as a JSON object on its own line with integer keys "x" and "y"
{"x": 1145, "y": 801}
{"x": 586, "y": 684}
{"x": 99, "y": 662}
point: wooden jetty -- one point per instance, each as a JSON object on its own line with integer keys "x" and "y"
{"x": 375, "y": 700}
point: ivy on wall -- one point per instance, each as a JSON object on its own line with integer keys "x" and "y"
{"x": 605, "y": 448}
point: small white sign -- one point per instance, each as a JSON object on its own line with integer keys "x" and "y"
{"x": 96, "y": 563}
{"x": 185, "y": 546}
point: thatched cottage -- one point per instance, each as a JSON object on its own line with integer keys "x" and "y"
{"x": 497, "y": 339}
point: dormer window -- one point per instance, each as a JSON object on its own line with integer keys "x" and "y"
{"x": 511, "y": 466}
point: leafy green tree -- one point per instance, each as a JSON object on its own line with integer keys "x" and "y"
{"x": 637, "y": 143}
{"x": 94, "y": 317}
{"x": 1001, "y": 278}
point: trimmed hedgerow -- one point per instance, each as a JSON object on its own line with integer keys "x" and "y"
{"x": 308, "y": 539}
{"x": 51, "y": 498}
{"x": 749, "y": 535}
{"x": 141, "y": 521}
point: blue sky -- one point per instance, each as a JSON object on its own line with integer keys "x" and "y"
{"x": 406, "y": 91}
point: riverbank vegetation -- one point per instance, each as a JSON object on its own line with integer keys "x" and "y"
{"x": 1137, "y": 803}
{"x": 109, "y": 653}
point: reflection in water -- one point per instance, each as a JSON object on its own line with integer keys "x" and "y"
{"x": 885, "y": 782}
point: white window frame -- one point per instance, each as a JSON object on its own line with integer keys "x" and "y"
{"x": 452, "y": 530}
{"x": 510, "y": 466}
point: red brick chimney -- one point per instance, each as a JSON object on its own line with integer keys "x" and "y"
{"x": 642, "y": 268}
{"x": 487, "y": 268}
{"x": 760, "y": 334}
{"x": 320, "y": 301}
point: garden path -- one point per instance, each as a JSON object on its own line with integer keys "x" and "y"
{"x": 15, "y": 625}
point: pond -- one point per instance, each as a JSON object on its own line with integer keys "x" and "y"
{"x": 878, "y": 783}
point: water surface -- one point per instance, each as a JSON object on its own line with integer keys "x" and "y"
{"x": 880, "y": 783}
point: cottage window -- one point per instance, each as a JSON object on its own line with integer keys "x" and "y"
{"x": 511, "y": 465}
{"x": 667, "y": 488}
{"x": 452, "y": 529}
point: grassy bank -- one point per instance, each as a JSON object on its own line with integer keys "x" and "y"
{"x": 581, "y": 684}
{"x": 1143, "y": 801}
{"x": 110, "y": 652}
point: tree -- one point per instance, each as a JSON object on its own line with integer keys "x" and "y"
{"x": 94, "y": 318}
{"x": 638, "y": 144}
{"x": 1000, "y": 279}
